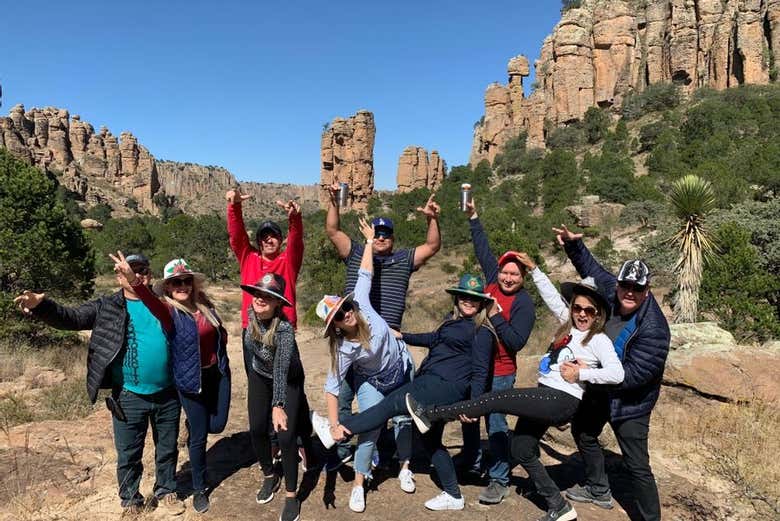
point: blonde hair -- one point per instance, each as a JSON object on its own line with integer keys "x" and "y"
{"x": 596, "y": 327}
{"x": 363, "y": 338}
{"x": 267, "y": 338}
{"x": 200, "y": 300}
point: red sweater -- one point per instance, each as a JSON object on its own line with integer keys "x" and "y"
{"x": 253, "y": 266}
{"x": 504, "y": 363}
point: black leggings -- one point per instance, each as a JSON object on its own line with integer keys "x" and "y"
{"x": 536, "y": 409}
{"x": 259, "y": 396}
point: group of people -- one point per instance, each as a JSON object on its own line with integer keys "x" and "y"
{"x": 163, "y": 348}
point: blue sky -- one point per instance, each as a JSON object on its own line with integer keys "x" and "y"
{"x": 248, "y": 85}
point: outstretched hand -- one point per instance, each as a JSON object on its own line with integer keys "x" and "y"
{"x": 366, "y": 229}
{"x": 28, "y": 301}
{"x": 122, "y": 268}
{"x": 471, "y": 209}
{"x": 563, "y": 234}
{"x": 291, "y": 207}
{"x": 431, "y": 209}
{"x": 236, "y": 197}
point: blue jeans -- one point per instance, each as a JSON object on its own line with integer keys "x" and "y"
{"x": 498, "y": 435}
{"x": 207, "y": 412}
{"x": 427, "y": 389}
{"x": 162, "y": 410}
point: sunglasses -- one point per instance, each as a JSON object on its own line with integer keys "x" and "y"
{"x": 141, "y": 270}
{"x": 576, "y": 309}
{"x": 263, "y": 296}
{"x": 180, "y": 282}
{"x": 341, "y": 313}
{"x": 382, "y": 234}
{"x": 631, "y": 286}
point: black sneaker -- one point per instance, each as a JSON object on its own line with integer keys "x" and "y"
{"x": 584, "y": 495}
{"x": 200, "y": 502}
{"x": 291, "y": 510}
{"x": 565, "y": 513}
{"x": 418, "y": 414}
{"x": 494, "y": 493}
{"x": 270, "y": 486}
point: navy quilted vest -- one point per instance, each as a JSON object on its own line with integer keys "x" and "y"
{"x": 185, "y": 353}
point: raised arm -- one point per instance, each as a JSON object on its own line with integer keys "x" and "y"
{"x": 332, "y": 224}
{"x": 487, "y": 261}
{"x": 160, "y": 311}
{"x": 239, "y": 241}
{"x": 432, "y": 242}
{"x": 294, "y": 235}
{"x": 57, "y": 316}
{"x": 585, "y": 264}
{"x": 549, "y": 293}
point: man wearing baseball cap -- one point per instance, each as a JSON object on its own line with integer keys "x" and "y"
{"x": 513, "y": 319}
{"x": 392, "y": 271}
{"x": 640, "y": 333}
{"x": 128, "y": 353}
{"x": 266, "y": 255}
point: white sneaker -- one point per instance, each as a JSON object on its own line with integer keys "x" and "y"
{"x": 445, "y": 501}
{"x": 321, "y": 426}
{"x": 357, "y": 501}
{"x": 407, "y": 481}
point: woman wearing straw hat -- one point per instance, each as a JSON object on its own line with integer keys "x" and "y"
{"x": 201, "y": 370}
{"x": 275, "y": 394}
{"x": 359, "y": 338}
{"x": 456, "y": 367}
{"x": 580, "y": 352}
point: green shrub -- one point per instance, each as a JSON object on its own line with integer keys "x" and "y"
{"x": 101, "y": 212}
{"x": 596, "y": 123}
{"x": 655, "y": 98}
{"x": 611, "y": 176}
{"x": 736, "y": 290}
{"x": 568, "y": 137}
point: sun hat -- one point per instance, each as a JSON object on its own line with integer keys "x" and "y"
{"x": 470, "y": 285}
{"x": 634, "y": 271}
{"x": 327, "y": 307}
{"x": 586, "y": 287}
{"x": 178, "y": 268}
{"x": 271, "y": 284}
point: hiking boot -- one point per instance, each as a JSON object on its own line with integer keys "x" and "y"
{"x": 291, "y": 510}
{"x": 444, "y": 501}
{"x": 357, "y": 500}
{"x": 418, "y": 414}
{"x": 494, "y": 493}
{"x": 584, "y": 495}
{"x": 406, "y": 479}
{"x": 270, "y": 486}
{"x": 565, "y": 513}
{"x": 200, "y": 501}
{"x": 321, "y": 427}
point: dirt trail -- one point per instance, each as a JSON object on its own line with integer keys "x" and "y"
{"x": 71, "y": 466}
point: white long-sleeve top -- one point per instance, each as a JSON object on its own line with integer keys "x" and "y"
{"x": 601, "y": 361}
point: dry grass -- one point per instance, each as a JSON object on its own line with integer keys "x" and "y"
{"x": 734, "y": 443}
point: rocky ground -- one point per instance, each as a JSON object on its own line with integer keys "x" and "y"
{"x": 66, "y": 470}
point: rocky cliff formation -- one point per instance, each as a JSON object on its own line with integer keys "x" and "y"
{"x": 100, "y": 168}
{"x": 606, "y": 49}
{"x": 416, "y": 169}
{"x": 347, "y": 156}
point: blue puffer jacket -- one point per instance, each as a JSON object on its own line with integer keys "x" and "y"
{"x": 645, "y": 351}
{"x": 185, "y": 352}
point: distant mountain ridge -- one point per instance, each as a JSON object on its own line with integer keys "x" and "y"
{"x": 99, "y": 168}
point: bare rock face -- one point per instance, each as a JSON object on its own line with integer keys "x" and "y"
{"x": 416, "y": 169}
{"x": 606, "y": 49}
{"x": 347, "y": 156}
{"x": 91, "y": 224}
{"x": 122, "y": 173}
{"x": 707, "y": 359}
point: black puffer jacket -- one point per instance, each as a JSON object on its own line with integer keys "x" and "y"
{"x": 644, "y": 356}
{"x": 107, "y": 318}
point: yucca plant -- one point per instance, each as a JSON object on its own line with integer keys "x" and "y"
{"x": 692, "y": 199}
